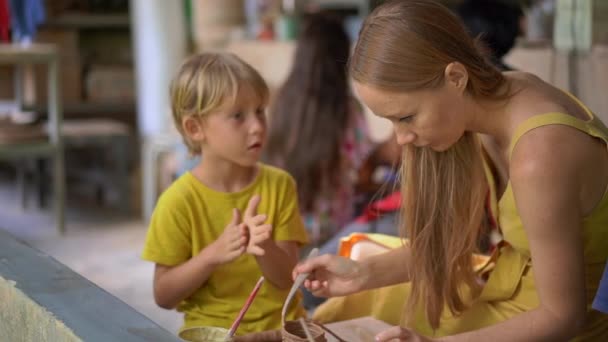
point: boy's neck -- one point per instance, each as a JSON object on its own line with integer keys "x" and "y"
{"x": 224, "y": 177}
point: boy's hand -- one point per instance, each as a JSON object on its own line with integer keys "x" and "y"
{"x": 233, "y": 241}
{"x": 258, "y": 231}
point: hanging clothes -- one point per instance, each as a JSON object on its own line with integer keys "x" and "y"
{"x": 5, "y": 21}
{"x": 26, "y": 15}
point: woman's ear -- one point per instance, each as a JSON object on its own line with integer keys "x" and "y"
{"x": 456, "y": 76}
{"x": 193, "y": 128}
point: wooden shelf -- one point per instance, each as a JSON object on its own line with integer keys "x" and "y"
{"x": 32, "y": 53}
{"x": 89, "y": 108}
{"x": 89, "y": 21}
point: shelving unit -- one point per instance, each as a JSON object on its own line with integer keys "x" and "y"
{"x": 52, "y": 146}
{"x": 91, "y": 45}
{"x": 89, "y": 21}
{"x": 95, "y": 60}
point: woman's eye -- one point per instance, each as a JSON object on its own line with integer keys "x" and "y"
{"x": 408, "y": 118}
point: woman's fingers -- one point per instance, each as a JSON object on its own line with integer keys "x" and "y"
{"x": 311, "y": 265}
{"x": 395, "y": 333}
{"x": 316, "y": 287}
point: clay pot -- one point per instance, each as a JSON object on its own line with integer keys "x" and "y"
{"x": 204, "y": 334}
{"x": 292, "y": 332}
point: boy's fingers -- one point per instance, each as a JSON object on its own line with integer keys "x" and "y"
{"x": 236, "y": 217}
{"x": 252, "y": 206}
{"x": 256, "y": 220}
{"x": 263, "y": 229}
{"x": 261, "y": 237}
{"x": 236, "y": 253}
{"x": 256, "y": 250}
{"x": 235, "y": 244}
{"x": 245, "y": 236}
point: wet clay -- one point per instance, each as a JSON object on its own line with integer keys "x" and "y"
{"x": 292, "y": 332}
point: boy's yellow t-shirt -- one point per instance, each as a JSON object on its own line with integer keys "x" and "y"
{"x": 189, "y": 216}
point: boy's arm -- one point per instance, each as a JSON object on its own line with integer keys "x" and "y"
{"x": 172, "y": 284}
{"x": 279, "y": 259}
{"x": 275, "y": 258}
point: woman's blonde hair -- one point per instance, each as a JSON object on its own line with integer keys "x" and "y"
{"x": 406, "y": 46}
{"x": 205, "y": 82}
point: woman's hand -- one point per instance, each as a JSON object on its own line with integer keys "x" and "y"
{"x": 332, "y": 275}
{"x": 401, "y": 334}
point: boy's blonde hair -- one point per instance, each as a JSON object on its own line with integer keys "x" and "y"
{"x": 205, "y": 81}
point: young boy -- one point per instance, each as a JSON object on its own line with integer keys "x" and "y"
{"x": 218, "y": 228}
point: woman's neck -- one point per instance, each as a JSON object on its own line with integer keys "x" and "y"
{"x": 224, "y": 176}
{"x": 491, "y": 116}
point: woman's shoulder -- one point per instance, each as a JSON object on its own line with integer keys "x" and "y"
{"x": 551, "y": 141}
{"x": 532, "y": 96}
{"x": 556, "y": 153}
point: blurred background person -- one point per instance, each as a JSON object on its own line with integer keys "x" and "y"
{"x": 496, "y": 23}
{"x": 317, "y": 129}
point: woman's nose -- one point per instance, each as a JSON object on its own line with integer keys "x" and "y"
{"x": 404, "y": 138}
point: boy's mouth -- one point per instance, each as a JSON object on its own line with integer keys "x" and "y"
{"x": 255, "y": 146}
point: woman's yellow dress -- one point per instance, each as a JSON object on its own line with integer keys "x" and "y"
{"x": 510, "y": 289}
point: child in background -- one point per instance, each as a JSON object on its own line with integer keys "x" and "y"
{"x": 317, "y": 129}
{"x": 230, "y": 220}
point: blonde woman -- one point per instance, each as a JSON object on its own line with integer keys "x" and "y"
{"x": 467, "y": 129}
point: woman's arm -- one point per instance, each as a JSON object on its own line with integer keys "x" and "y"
{"x": 387, "y": 269}
{"x": 547, "y": 188}
{"x": 332, "y": 275}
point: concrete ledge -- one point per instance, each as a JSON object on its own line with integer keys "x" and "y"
{"x": 43, "y": 300}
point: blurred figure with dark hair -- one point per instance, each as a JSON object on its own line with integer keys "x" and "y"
{"x": 496, "y": 23}
{"x": 317, "y": 129}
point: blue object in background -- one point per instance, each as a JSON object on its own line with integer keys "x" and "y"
{"x": 600, "y": 303}
{"x": 26, "y": 15}
{"x": 185, "y": 162}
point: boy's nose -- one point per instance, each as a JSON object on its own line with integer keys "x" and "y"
{"x": 258, "y": 125}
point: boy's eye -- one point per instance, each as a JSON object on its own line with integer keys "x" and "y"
{"x": 260, "y": 111}
{"x": 237, "y": 116}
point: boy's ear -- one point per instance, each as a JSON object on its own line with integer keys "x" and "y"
{"x": 193, "y": 128}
